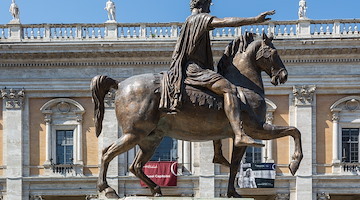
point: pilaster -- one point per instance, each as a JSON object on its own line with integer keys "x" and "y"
{"x": 13, "y": 120}
{"x": 109, "y": 134}
{"x": 206, "y": 171}
{"x": 304, "y": 102}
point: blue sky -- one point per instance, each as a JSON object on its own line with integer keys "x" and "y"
{"x": 92, "y": 11}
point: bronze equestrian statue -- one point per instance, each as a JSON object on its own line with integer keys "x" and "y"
{"x": 192, "y": 64}
{"x": 196, "y": 111}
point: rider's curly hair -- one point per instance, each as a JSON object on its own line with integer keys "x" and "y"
{"x": 198, "y": 3}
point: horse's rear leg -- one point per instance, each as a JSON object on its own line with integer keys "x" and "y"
{"x": 147, "y": 148}
{"x": 218, "y": 154}
{"x": 237, "y": 154}
{"x": 121, "y": 145}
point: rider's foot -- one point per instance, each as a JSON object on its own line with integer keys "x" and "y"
{"x": 246, "y": 140}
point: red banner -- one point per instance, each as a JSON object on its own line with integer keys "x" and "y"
{"x": 162, "y": 173}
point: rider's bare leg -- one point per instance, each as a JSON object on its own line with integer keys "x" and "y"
{"x": 233, "y": 112}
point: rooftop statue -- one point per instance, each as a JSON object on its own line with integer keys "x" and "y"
{"x": 193, "y": 102}
{"x": 111, "y": 10}
{"x": 302, "y": 9}
{"x": 15, "y": 12}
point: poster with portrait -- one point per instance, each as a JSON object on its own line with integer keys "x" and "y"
{"x": 256, "y": 175}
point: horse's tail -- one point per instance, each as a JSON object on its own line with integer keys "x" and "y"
{"x": 100, "y": 86}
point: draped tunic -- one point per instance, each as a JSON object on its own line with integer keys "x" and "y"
{"x": 192, "y": 61}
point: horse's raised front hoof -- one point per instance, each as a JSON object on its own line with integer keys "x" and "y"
{"x": 294, "y": 166}
{"x": 233, "y": 195}
{"x": 157, "y": 192}
{"x": 219, "y": 159}
{"x": 111, "y": 193}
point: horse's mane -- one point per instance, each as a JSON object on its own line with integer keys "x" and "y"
{"x": 239, "y": 44}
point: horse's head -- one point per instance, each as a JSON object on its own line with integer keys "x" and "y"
{"x": 268, "y": 60}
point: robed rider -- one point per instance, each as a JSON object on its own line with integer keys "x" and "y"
{"x": 192, "y": 63}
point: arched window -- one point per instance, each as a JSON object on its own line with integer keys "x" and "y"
{"x": 63, "y": 118}
{"x": 346, "y": 130}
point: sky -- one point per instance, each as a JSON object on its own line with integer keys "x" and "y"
{"x": 133, "y": 11}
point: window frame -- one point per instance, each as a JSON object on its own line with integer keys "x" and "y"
{"x": 53, "y": 141}
{"x": 357, "y": 142}
{"x": 345, "y": 112}
{"x": 63, "y": 114}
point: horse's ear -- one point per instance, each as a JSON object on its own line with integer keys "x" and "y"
{"x": 267, "y": 39}
{"x": 264, "y": 36}
{"x": 271, "y": 37}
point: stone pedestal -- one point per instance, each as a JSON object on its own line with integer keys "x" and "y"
{"x": 111, "y": 30}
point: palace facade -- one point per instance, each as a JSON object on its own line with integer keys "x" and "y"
{"x": 48, "y": 145}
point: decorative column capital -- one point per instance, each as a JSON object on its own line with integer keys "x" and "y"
{"x": 335, "y": 116}
{"x": 269, "y": 117}
{"x": 109, "y": 100}
{"x": 323, "y": 196}
{"x": 47, "y": 118}
{"x": 304, "y": 95}
{"x": 282, "y": 196}
{"x": 14, "y": 98}
{"x": 79, "y": 118}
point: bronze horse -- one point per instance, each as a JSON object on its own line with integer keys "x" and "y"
{"x": 143, "y": 124}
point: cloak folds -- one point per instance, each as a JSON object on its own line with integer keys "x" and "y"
{"x": 193, "y": 46}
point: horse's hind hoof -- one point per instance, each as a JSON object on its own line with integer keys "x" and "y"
{"x": 233, "y": 195}
{"x": 111, "y": 193}
{"x": 157, "y": 191}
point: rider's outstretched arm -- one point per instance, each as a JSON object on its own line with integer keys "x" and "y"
{"x": 238, "y": 21}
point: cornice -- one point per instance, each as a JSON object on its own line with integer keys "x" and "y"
{"x": 89, "y": 54}
{"x": 24, "y": 57}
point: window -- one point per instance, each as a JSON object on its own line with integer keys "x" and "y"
{"x": 166, "y": 151}
{"x": 253, "y": 155}
{"x": 64, "y": 137}
{"x": 345, "y": 138}
{"x": 64, "y": 147}
{"x": 350, "y": 145}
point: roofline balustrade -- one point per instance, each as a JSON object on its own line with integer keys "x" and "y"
{"x": 300, "y": 29}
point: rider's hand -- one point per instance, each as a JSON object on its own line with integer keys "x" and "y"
{"x": 262, "y": 17}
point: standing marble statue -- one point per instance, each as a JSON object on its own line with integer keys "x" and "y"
{"x": 302, "y": 9}
{"x": 192, "y": 64}
{"x": 15, "y": 12}
{"x": 111, "y": 10}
